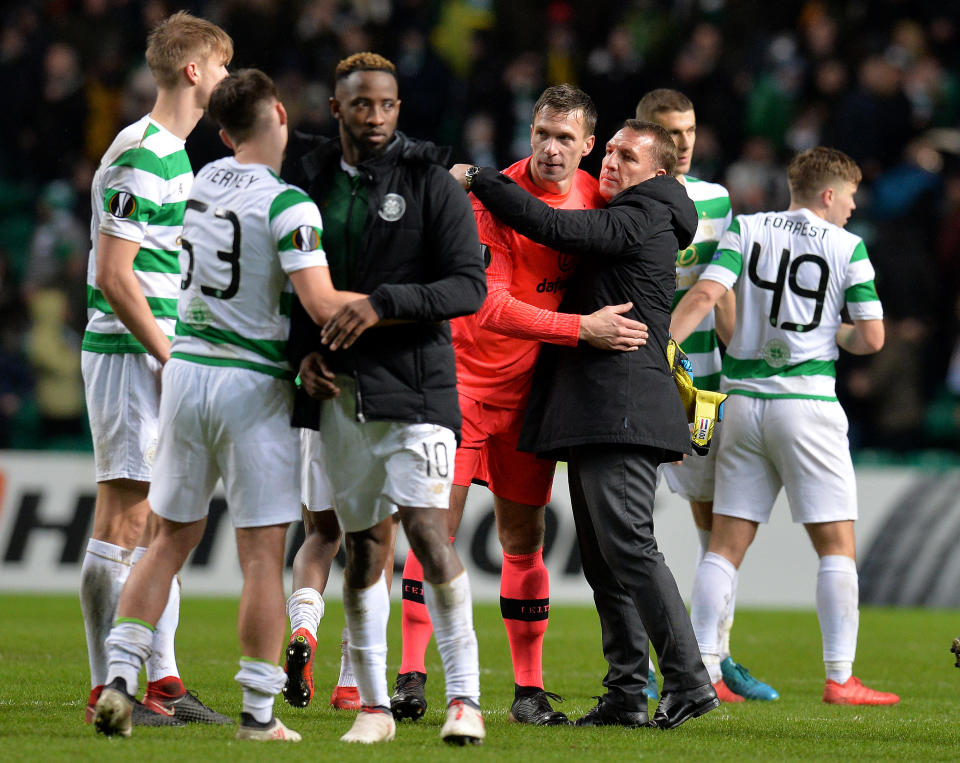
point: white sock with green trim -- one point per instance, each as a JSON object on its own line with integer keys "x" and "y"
{"x": 104, "y": 571}
{"x": 261, "y": 682}
{"x": 162, "y": 662}
{"x": 129, "y": 645}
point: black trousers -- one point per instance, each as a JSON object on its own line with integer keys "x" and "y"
{"x": 612, "y": 490}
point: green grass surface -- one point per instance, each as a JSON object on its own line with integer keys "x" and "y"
{"x": 44, "y": 684}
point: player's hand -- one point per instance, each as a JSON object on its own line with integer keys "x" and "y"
{"x": 607, "y": 329}
{"x": 316, "y": 378}
{"x": 459, "y": 172}
{"x": 348, "y": 323}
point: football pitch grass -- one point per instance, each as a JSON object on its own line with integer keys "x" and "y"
{"x": 44, "y": 680}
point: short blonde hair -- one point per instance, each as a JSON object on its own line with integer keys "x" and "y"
{"x": 179, "y": 38}
{"x": 815, "y": 169}
{"x": 364, "y": 62}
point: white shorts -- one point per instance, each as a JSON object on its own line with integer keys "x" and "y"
{"x": 315, "y": 491}
{"x": 693, "y": 478}
{"x": 375, "y": 466}
{"x": 123, "y": 401}
{"x": 797, "y": 444}
{"x": 229, "y": 423}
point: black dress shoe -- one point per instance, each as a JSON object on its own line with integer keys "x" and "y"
{"x": 678, "y": 706}
{"x": 607, "y": 714}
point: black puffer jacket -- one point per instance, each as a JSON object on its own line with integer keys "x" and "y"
{"x": 419, "y": 260}
{"x": 628, "y": 253}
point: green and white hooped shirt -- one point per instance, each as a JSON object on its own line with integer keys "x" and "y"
{"x": 138, "y": 194}
{"x": 244, "y": 230}
{"x": 792, "y": 272}
{"x": 713, "y": 212}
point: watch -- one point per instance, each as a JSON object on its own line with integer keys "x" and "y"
{"x": 470, "y": 174}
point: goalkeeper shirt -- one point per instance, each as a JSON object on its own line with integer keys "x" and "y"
{"x": 497, "y": 347}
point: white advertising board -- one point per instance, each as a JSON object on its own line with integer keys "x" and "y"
{"x": 908, "y": 522}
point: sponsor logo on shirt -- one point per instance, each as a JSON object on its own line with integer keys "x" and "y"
{"x": 566, "y": 262}
{"x": 548, "y": 287}
{"x": 687, "y": 256}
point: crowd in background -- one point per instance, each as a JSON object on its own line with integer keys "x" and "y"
{"x": 879, "y": 80}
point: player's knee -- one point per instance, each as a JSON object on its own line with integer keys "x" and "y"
{"x": 520, "y": 529}
{"x": 321, "y": 528}
{"x": 517, "y": 541}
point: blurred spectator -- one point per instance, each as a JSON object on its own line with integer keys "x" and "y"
{"x": 53, "y": 350}
{"x": 61, "y": 114}
{"x": 613, "y": 79}
{"x": 523, "y": 83}
{"x": 755, "y": 180}
{"x": 868, "y": 78}
{"x": 873, "y": 122}
{"x": 479, "y": 134}
{"x": 15, "y": 379}
{"x": 427, "y": 86}
{"x": 58, "y": 249}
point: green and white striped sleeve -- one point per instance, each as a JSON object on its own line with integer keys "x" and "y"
{"x": 297, "y": 227}
{"x": 863, "y": 303}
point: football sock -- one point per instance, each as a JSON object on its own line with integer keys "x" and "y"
{"x": 838, "y": 597}
{"x": 712, "y": 590}
{"x": 162, "y": 663}
{"x": 347, "y": 678}
{"x": 305, "y": 609}
{"x": 415, "y": 622}
{"x": 451, "y": 610}
{"x": 104, "y": 571}
{"x": 367, "y": 611}
{"x": 261, "y": 681}
{"x": 128, "y": 645}
{"x": 726, "y": 623}
{"x": 524, "y": 605}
